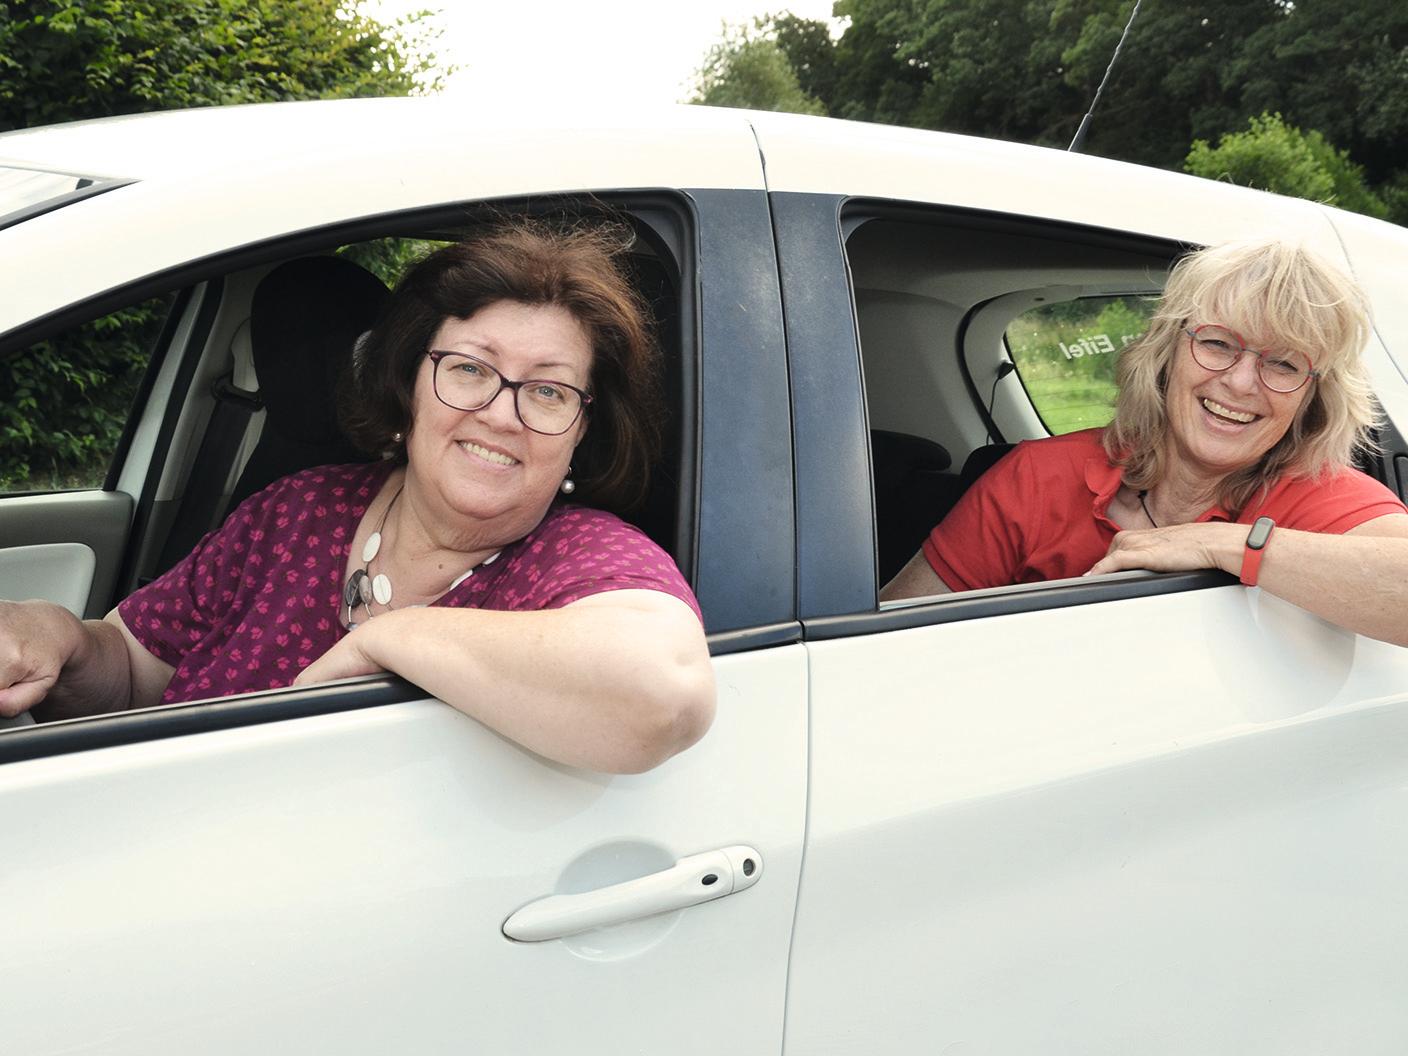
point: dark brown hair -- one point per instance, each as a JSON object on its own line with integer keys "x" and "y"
{"x": 578, "y": 267}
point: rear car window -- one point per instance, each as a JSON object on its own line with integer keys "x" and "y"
{"x": 1065, "y": 356}
{"x": 26, "y": 192}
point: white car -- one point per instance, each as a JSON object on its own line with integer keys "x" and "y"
{"x": 1137, "y": 813}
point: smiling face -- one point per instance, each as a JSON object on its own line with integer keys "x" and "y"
{"x": 1224, "y": 421}
{"x": 484, "y": 472}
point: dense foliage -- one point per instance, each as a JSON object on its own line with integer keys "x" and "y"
{"x": 749, "y": 70}
{"x": 68, "y": 61}
{"x": 1027, "y": 70}
{"x": 1273, "y": 156}
{"x": 65, "y": 400}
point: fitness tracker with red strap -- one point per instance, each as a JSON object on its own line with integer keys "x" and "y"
{"x": 1256, "y": 546}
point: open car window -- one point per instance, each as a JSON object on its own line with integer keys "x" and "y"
{"x": 166, "y": 403}
{"x": 947, "y": 306}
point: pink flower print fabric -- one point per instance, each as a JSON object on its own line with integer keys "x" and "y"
{"x": 259, "y": 599}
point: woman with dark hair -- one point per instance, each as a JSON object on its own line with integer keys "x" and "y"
{"x": 509, "y": 372}
{"x": 1237, "y": 418}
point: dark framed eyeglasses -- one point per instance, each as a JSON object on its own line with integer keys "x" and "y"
{"x": 1217, "y": 348}
{"x": 467, "y": 383}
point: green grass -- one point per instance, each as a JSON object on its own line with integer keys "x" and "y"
{"x": 1068, "y": 404}
{"x": 1074, "y": 392}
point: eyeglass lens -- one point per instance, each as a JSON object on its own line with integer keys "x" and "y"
{"x": 470, "y": 384}
{"x": 1217, "y": 348}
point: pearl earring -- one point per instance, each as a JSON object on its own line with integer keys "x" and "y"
{"x": 396, "y": 438}
{"x": 568, "y": 485}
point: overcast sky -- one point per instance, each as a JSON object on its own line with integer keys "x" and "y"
{"x": 587, "y": 51}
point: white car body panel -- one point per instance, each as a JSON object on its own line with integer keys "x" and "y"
{"x": 1167, "y": 823}
{"x": 911, "y": 165}
{"x": 339, "y": 883}
{"x": 1096, "y": 851}
{"x": 199, "y": 200}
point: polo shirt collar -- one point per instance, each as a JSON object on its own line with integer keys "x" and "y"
{"x": 1104, "y": 480}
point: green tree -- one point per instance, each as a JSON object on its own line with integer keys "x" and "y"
{"x": 63, "y": 61}
{"x": 1341, "y": 68}
{"x": 1274, "y": 156}
{"x": 807, "y": 45}
{"x": 1027, "y": 70}
{"x": 877, "y": 79}
{"x": 1177, "y": 78}
{"x": 66, "y": 399}
{"x": 748, "y": 68}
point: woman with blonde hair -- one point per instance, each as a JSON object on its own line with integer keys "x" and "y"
{"x": 1237, "y": 420}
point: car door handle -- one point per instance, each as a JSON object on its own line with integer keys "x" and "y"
{"x": 690, "y": 881}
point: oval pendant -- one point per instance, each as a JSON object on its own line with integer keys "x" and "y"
{"x": 370, "y": 548}
{"x": 352, "y": 589}
{"x": 381, "y": 590}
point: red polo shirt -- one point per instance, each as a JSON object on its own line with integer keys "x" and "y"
{"x": 1039, "y": 513}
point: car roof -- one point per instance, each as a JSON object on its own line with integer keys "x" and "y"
{"x": 185, "y": 142}
{"x": 682, "y": 145}
{"x": 210, "y": 179}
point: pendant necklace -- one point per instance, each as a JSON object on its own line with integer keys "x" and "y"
{"x": 362, "y": 588}
{"x": 1146, "y": 508}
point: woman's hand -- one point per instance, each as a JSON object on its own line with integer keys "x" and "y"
{"x": 68, "y": 667}
{"x": 36, "y": 640}
{"x": 1177, "y": 548}
{"x": 346, "y": 659}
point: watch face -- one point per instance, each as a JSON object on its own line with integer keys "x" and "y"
{"x": 1261, "y": 531}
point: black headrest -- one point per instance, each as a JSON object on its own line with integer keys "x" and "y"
{"x": 304, "y": 321}
{"x": 898, "y": 456}
{"x": 980, "y": 460}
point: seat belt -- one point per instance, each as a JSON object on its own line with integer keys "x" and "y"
{"x": 220, "y": 455}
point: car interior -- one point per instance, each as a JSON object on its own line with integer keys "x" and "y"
{"x": 260, "y": 400}
{"x": 935, "y": 293}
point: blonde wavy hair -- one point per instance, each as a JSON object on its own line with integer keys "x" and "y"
{"x": 1287, "y": 297}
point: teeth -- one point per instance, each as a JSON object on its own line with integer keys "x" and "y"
{"x": 485, "y": 453}
{"x": 1227, "y": 412}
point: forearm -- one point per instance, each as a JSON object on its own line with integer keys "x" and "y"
{"x": 609, "y": 687}
{"x": 1358, "y": 582}
{"x": 95, "y": 677}
{"x": 917, "y": 579}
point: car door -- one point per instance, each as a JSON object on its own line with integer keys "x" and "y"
{"x": 1149, "y": 813}
{"x": 341, "y": 868}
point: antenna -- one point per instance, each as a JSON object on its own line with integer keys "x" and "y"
{"x": 1079, "y": 141}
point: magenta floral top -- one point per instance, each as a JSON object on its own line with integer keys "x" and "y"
{"x": 259, "y": 599}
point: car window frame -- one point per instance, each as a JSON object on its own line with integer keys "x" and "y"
{"x": 835, "y": 506}
{"x": 688, "y": 224}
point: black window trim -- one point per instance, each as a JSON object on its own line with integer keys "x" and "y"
{"x": 850, "y": 214}
{"x": 952, "y": 608}
{"x": 117, "y": 729}
{"x": 58, "y": 201}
